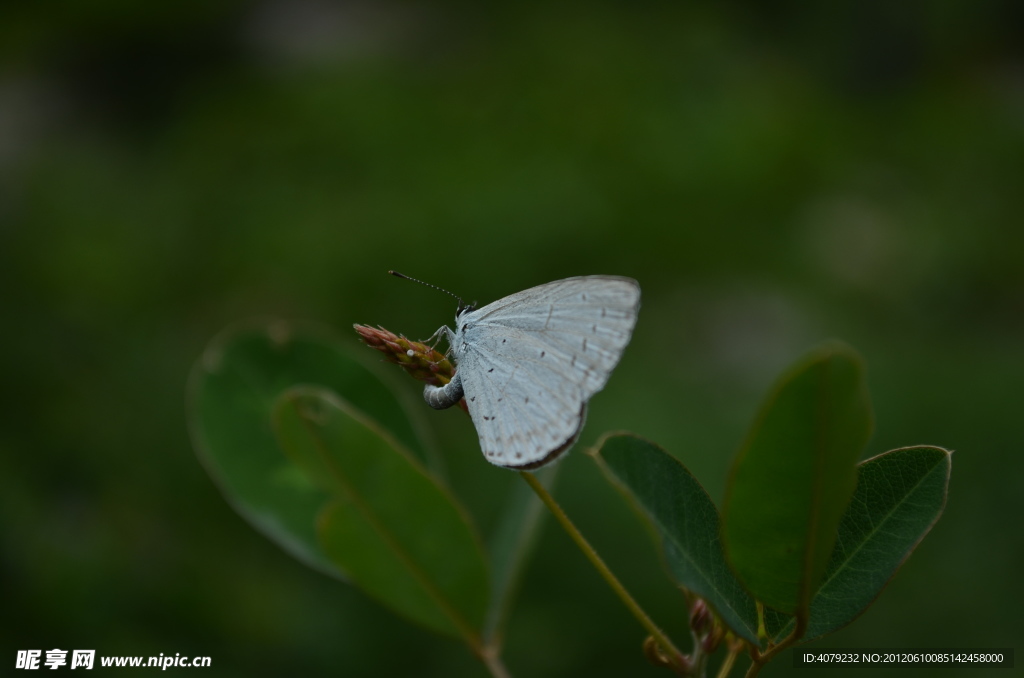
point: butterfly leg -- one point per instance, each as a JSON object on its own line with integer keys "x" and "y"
{"x": 442, "y": 331}
{"x": 443, "y": 397}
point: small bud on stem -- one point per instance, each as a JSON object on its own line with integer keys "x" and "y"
{"x": 421, "y": 361}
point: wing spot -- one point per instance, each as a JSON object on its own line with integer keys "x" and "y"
{"x": 500, "y": 399}
{"x": 504, "y": 340}
{"x": 490, "y": 370}
{"x": 594, "y": 329}
{"x": 527, "y": 400}
{"x": 583, "y": 296}
{"x": 519, "y": 455}
{"x": 604, "y": 312}
{"x": 573, "y": 363}
{"x": 584, "y": 344}
{"x": 542, "y": 354}
{"x": 473, "y": 399}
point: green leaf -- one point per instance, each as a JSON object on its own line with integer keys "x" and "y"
{"x": 685, "y": 520}
{"x": 232, "y": 389}
{"x": 794, "y": 477}
{"x": 510, "y": 546}
{"x": 393, "y": 528}
{"x": 900, "y": 496}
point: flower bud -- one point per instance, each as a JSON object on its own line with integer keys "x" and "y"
{"x": 420, "y": 361}
{"x": 700, "y": 617}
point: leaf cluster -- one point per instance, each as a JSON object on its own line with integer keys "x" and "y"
{"x": 314, "y": 448}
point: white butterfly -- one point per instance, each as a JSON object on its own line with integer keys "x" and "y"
{"x": 527, "y": 364}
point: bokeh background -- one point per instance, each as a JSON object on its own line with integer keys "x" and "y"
{"x": 774, "y": 174}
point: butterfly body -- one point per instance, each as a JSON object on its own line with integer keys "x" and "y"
{"x": 527, "y": 364}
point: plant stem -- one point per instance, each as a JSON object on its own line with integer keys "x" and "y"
{"x": 492, "y": 660}
{"x": 602, "y": 569}
{"x": 761, "y": 659}
{"x": 727, "y": 664}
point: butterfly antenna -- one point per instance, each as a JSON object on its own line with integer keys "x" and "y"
{"x": 457, "y": 297}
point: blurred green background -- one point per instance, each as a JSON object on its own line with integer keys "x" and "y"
{"x": 773, "y": 174}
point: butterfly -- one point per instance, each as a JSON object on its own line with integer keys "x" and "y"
{"x": 528, "y": 364}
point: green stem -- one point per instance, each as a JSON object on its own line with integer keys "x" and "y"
{"x": 489, "y": 655}
{"x": 602, "y": 569}
{"x": 726, "y": 668}
{"x": 761, "y": 659}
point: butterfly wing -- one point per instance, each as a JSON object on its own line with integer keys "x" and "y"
{"x": 531, "y": 361}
